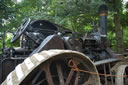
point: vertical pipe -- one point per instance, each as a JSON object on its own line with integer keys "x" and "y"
{"x": 106, "y": 82}
{"x": 103, "y": 19}
{"x": 109, "y": 64}
{"x": 103, "y": 24}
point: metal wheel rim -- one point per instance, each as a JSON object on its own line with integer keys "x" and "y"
{"x": 121, "y": 79}
{"x": 47, "y": 56}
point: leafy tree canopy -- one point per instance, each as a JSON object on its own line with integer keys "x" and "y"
{"x": 80, "y": 15}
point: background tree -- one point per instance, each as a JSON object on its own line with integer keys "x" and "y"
{"x": 78, "y": 15}
{"x": 117, "y": 9}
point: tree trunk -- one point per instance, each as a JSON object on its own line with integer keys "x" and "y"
{"x": 119, "y": 34}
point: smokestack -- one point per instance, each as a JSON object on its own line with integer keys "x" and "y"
{"x": 103, "y": 19}
{"x": 103, "y": 10}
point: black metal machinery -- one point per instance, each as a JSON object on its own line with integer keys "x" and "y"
{"x": 36, "y": 36}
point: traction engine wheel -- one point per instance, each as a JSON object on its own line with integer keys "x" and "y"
{"x": 123, "y": 79}
{"x": 54, "y": 67}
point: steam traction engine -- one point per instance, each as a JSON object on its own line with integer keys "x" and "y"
{"x": 51, "y": 55}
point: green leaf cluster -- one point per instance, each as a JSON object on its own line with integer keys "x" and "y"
{"x": 77, "y": 15}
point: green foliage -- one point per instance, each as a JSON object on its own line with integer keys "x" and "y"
{"x": 78, "y": 15}
{"x": 111, "y": 40}
{"x": 125, "y": 31}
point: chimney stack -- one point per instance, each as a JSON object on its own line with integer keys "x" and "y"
{"x": 103, "y": 10}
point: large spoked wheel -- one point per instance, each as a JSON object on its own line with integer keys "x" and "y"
{"x": 21, "y": 30}
{"x": 55, "y": 67}
{"x": 121, "y": 73}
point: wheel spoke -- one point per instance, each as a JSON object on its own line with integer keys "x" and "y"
{"x": 36, "y": 77}
{"x": 48, "y": 74}
{"x": 60, "y": 74}
{"x": 40, "y": 82}
{"x": 69, "y": 77}
{"x": 77, "y": 77}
